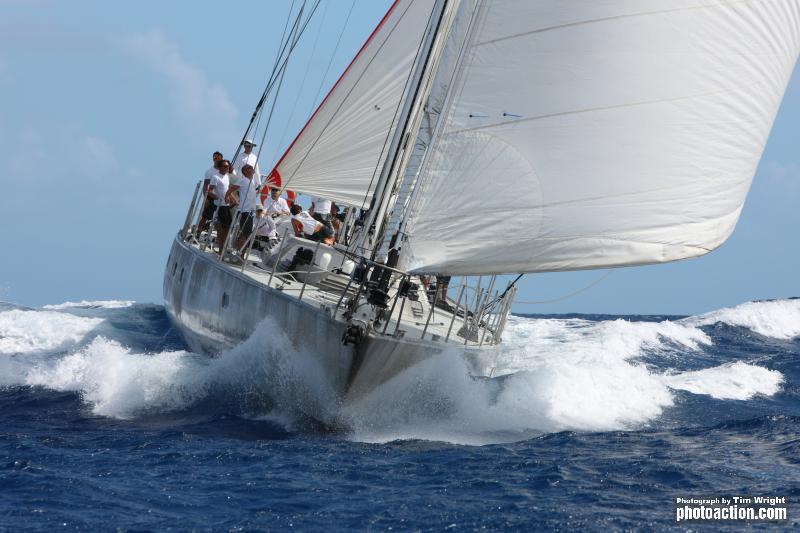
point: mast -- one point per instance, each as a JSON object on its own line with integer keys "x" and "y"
{"x": 430, "y": 51}
{"x": 436, "y": 102}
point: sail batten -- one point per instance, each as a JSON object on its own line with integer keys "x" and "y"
{"x": 596, "y": 134}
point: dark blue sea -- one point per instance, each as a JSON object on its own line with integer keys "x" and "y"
{"x": 107, "y": 422}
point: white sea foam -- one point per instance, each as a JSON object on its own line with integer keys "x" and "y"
{"x": 29, "y": 331}
{"x": 118, "y": 383}
{"x": 549, "y": 375}
{"x": 107, "y": 304}
{"x": 779, "y": 319}
{"x": 560, "y": 374}
{"x": 736, "y": 381}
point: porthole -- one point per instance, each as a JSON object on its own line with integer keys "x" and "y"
{"x": 174, "y": 267}
{"x": 180, "y": 278}
{"x": 225, "y": 299}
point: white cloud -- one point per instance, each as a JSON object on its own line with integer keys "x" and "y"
{"x": 60, "y": 152}
{"x": 97, "y": 157}
{"x": 201, "y": 102}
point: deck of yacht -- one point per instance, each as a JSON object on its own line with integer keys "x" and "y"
{"x": 411, "y": 317}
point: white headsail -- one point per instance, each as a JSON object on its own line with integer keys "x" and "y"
{"x": 588, "y": 134}
{"x": 336, "y": 154}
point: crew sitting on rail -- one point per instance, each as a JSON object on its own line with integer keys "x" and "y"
{"x": 303, "y": 224}
{"x": 306, "y": 226}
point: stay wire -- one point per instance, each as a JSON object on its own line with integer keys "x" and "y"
{"x": 285, "y": 185}
{"x": 396, "y": 112}
{"x": 389, "y": 133}
{"x": 305, "y": 74}
{"x": 294, "y": 37}
{"x": 277, "y": 58}
{"x": 282, "y": 73}
{"x": 285, "y": 64}
{"x": 333, "y": 56}
{"x": 273, "y": 74}
{"x": 570, "y": 295}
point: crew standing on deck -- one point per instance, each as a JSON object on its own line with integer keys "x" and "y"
{"x": 248, "y": 184}
{"x": 208, "y": 202}
{"x": 218, "y": 189}
{"x": 247, "y": 157}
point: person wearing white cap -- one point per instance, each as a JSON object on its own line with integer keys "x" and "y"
{"x": 246, "y": 157}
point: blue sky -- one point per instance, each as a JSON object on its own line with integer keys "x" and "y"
{"x": 110, "y": 111}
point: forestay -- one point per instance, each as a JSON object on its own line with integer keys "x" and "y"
{"x": 589, "y": 134}
{"x": 336, "y": 154}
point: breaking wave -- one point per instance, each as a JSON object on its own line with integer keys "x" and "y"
{"x": 550, "y": 374}
{"x": 84, "y": 304}
{"x": 779, "y": 319}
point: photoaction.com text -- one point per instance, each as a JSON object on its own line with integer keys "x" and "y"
{"x": 746, "y": 508}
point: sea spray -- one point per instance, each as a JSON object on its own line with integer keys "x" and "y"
{"x": 262, "y": 373}
{"x": 550, "y": 374}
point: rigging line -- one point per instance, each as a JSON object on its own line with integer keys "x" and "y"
{"x": 273, "y": 79}
{"x": 283, "y": 70}
{"x": 273, "y": 75}
{"x": 283, "y": 34}
{"x": 333, "y": 56}
{"x": 272, "y": 108}
{"x": 270, "y": 83}
{"x": 266, "y": 128}
{"x": 510, "y": 285}
{"x": 305, "y": 76}
{"x": 570, "y": 295}
{"x": 277, "y": 58}
{"x": 336, "y": 112}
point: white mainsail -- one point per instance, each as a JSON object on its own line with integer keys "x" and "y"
{"x": 336, "y": 154}
{"x": 589, "y": 134}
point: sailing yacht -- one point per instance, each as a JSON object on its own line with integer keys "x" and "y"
{"x": 472, "y": 139}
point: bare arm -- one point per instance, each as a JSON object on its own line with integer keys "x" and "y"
{"x": 229, "y": 198}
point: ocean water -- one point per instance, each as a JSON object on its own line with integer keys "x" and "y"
{"x": 591, "y": 422}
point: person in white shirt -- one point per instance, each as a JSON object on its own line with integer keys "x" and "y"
{"x": 216, "y": 157}
{"x": 248, "y": 186}
{"x": 208, "y": 203}
{"x": 321, "y": 209}
{"x": 275, "y": 204}
{"x": 304, "y": 225}
{"x": 218, "y": 190}
{"x": 266, "y": 234}
{"x": 246, "y": 157}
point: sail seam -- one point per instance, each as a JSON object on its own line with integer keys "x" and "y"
{"x": 604, "y": 19}
{"x": 606, "y": 108}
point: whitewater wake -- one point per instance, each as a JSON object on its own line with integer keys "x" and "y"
{"x": 550, "y": 374}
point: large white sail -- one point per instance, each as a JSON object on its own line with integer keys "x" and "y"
{"x": 336, "y": 154}
{"x": 588, "y": 134}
